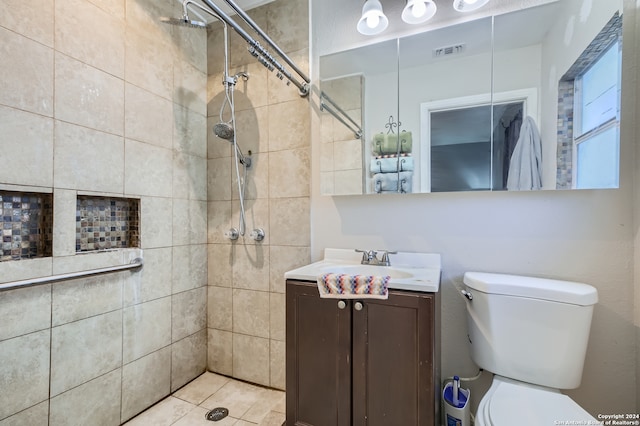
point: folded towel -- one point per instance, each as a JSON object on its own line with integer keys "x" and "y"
{"x": 392, "y": 182}
{"x": 391, "y": 164}
{"x": 408, "y": 154}
{"x": 388, "y": 144}
{"x": 344, "y": 286}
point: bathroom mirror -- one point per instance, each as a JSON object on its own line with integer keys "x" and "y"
{"x": 445, "y": 110}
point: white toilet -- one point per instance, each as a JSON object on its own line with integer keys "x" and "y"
{"x": 532, "y": 333}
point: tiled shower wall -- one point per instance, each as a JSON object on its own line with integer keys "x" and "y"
{"x": 98, "y": 98}
{"x": 246, "y": 315}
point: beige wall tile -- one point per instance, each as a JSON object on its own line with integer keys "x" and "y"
{"x": 92, "y": 98}
{"x": 149, "y": 61}
{"x": 29, "y": 139}
{"x": 348, "y": 154}
{"x": 189, "y": 222}
{"x": 27, "y": 79}
{"x": 190, "y": 44}
{"x": 156, "y": 222}
{"x": 189, "y": 176}
{"x": 84, "y": 350}
{"x": 147, "y": 169}
{"x": 215, "y": 92}
{"x": 25, "y": 269}
{"x": 326, "y": 157}
{"x": 277, "y": 319}
{"x": 290, "y": 221}
{"x": 219, "y": 178}
{"x": 24, "y": 311}
{"x": 327, "y": 183}
{"x": 146, "y": 328}
{"x": 220, "y": 265}
{"x": 252, "y": 129}
{"x": 289, "y": 125}
{"x": 278, "y": 89}
{"x": 188, "y": 313}
{"x": 220, "y": 351}
{"x": 189, "y": 82}
{"x": 144, "y": 16}
{"x": 33, "y": 19}
{"x": 148, "y": 117}
{"x": 82, "y": 262}
{"x": 251, "y": 312}
{"x": 290, "y": 173}
{"x": 253, "y": 93}
{"x": 283, "y": 259}
{"x": 219, "y": 221}
{"x": 257, "y": 180}
{"x": 71, "y": 168}
{"x": 251, "y": 358}
{"x": 220, "y": 308}
{"x": 256, "y": 216}
{"x": 114, "y": 7}
{"x": 189, "y": 267}
{"x": 95, "y": 402}
{"x": 288, "y": 24}
{"x": 91, "y": 35}
{"x": 38, "y": 414}
{"x": 251, "y": 267}
{"x": 189, "y": 131}
{"x": 277, "y": 364}
{"x": 26, "y": 353}
{"x": 64, "y": 222}
{"x": 348, "y": 182}
{"x": 239, "y": 54}
{"x": 85, "y": 297}
{"x": 188, "y": 359}
{"x": 145, "y": 381}
{"x": 153, "y": 281}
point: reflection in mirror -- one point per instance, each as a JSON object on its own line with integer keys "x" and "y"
{"x": 525, "y": 100}
{"x": 569, "y": 52}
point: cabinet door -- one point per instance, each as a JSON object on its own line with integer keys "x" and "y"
{"x": 318, "y": 358}
{"x": 394, "y": 377}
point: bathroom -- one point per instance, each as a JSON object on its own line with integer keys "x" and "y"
{"x": 105, "y": 84}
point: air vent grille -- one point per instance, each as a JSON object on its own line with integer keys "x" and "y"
{"x": 454, "y": 49}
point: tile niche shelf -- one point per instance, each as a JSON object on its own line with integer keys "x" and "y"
{"x": 106, "y": 223}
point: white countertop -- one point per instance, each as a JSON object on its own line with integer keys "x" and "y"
{"x": 408, "y": 271}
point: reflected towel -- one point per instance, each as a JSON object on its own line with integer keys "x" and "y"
{"x": 344, "y": 286}
{"x": 525, "y": 166}
{"x": 388, "y": 144}
{"x": 391, "y": 164}
{"x": 392, "y": 182}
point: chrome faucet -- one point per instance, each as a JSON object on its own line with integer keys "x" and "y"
{"x": 370, "y": 257}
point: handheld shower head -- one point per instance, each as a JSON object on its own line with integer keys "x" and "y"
{"x": 224, "y": 131}
{"x": 185, "y": 21}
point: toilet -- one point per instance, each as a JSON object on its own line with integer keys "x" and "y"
{"x": 532, "y": 333}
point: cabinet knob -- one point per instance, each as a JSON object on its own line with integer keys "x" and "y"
{"x": 358, "y": 306}
{"x": 342, "y": 304}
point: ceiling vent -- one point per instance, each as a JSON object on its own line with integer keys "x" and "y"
{"x": 454, "y": 49}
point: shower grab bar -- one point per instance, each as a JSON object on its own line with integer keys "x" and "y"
{"x": 135, "y": 263}
{"x": 338, "y": 113}
{"x": 260, "y": 52}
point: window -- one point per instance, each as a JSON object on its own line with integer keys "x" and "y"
{"x": 597, "y": 122}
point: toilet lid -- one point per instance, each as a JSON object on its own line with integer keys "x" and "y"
{"x": 520, "y": 404}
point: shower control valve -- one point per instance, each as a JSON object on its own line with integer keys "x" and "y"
{"x": 257, "y": 234}
{"x": 232, "y": 234}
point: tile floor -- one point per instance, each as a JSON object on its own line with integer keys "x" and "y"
{"x": 248, "y": 405}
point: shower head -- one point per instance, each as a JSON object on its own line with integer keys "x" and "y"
{"x": 224, "y": 131}
{"x": 185, "y": 21}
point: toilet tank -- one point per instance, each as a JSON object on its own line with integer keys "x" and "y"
{"x": 530, "y": 329}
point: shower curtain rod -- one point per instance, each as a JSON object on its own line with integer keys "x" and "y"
{"x": 332, "y": 108}
{"x": 257, "y": 50}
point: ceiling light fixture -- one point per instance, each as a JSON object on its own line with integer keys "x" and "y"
{"x": 373, "y": 20}
{"x": 418, "y": 11}
{"x": 468, "y": 5}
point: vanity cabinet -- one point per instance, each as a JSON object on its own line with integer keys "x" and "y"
{"x": 361, "y": 361}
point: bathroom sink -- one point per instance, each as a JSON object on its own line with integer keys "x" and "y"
{"x": 408, "y": 271}
{"x": 381, "y": 271}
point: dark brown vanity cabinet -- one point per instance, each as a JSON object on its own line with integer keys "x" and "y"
{"x": 362, "y": 362}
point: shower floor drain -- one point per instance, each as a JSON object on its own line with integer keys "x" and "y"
{"x": 216, "y": 414}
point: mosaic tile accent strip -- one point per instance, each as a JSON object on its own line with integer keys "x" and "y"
{"x": 26, "y": 221}
{"x": 105, "y": 223}
{"x": 611, "y": 32}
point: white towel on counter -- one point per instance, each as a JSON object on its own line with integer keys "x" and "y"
{"x": 392, "y": 182}
{"x": 391, "y": 164}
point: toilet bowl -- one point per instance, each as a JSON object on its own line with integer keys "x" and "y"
{"x": 509, "y": 402}
{"x": 532, "y": 333}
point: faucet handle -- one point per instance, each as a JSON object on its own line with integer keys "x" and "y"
{"x": 365, "y": 256}
{"x": 385, "y": 257}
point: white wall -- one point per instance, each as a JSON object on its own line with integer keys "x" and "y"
{"x": 575, "y": 235}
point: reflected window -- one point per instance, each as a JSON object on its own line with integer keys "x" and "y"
{"x": 596, "y": 109}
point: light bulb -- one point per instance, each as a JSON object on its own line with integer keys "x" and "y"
{"x": 373, "y": 20}
{"x": 418, "y": 9}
